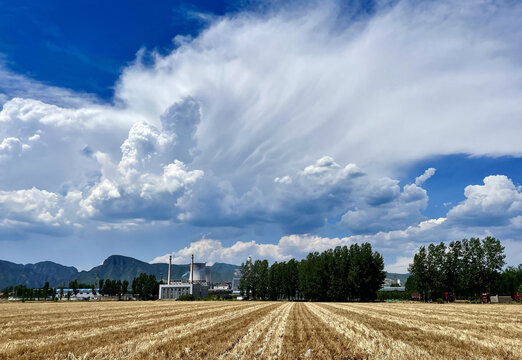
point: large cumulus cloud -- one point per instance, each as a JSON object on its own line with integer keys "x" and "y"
{"x": 411, "y": 81}
{"x": 285, "y": 118}
{"x": 495, "y": 203}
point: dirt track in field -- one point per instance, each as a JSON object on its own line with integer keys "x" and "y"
{"x": 258, "y": 330}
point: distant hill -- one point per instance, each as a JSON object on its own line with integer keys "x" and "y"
{"x": 119, "y": 267}
{"x": 33, "y": 275}
{"x": 115, "y": 267}
{"x": 222, "y": 272}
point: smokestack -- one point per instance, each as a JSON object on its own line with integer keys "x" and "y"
{"x": 192, "y": 270}
{"x": 170, "y": 264}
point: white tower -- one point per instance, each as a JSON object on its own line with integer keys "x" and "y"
{"x": 170, "y": 265}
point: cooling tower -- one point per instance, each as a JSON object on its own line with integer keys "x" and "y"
{"x": 199, "y": 272}
{"x": 208, "y": 274}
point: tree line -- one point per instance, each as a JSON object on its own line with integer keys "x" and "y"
{"x": 144, "y": 286}
{"x": 464, "y": 269}
{"x": 352, "y": 273}
{"x": 113, "y": 287}
{"x": 25, "y": 293}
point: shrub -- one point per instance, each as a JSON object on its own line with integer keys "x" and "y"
{"x": 187, "y": 297}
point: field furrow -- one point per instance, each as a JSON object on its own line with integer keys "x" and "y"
{"x": 449, "y": 343}
{"x": 221, "y": 333}
{"x": 488, "y": 333}
{"x": 101, "y": 320}
{"x": 87, "y": 336}
{"x": 259, "y": 330}
{"x": 374, "y": 343}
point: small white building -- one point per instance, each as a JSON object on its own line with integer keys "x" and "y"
{"x": 82, "y": 294}
{"x": 222, "y": 286}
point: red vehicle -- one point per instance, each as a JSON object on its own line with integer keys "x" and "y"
{"x": 485, "y": 298}
{"x": 517, "y": 297}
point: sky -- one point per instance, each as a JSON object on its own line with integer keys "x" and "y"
{"x": 228, "y": 129}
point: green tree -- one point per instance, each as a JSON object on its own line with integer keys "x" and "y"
{"x": 45, "y": 290}
{"x": 511, "y": 280}
{"x": 118, "y": 288}
{"x": 310, "y": 277}
{"x": 100, "y": 286}
{"x": 290, "y": 279}
{"x": 493, "y": 263}
{"x": 245, "y": 280}
{"x": 124, "y": 287}
{"x": 372, "y": 273}
{"x": 453, "y": 267}
{"x": 419, "y": 269}
{"x": 354, "y": 273}
{"x": 145, "y": 286}
{"x": 74, "y": 286}
{"x": 261, "y": 269}
{"x": 274, "y": 281}
{"x": 465, "y": 268}
{"x": 436, "y": 280}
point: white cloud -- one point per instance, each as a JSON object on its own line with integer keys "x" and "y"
{"x": 143, "y": 178}
{"x": 411, "y": 81}
{"x": 208, "y": 250}
{"x": 312, "y": 197}
{"x": 104, "y": 191}
{"x": 494, "y": 203}
{"x": 15, "y": 85}
{"x": 380, "y": 205}
{"x": 291, "y": 246}
{"x": 400, "y": 265}
{"x": 322, "y": 165}
{"x": 39, "y": 211}
{"x": 57, "y": 157}
{"x": 73, "y": 151}
{"x": 207, "y": 134}
{"x": 3, "y": 99}
{"x": 11, "y": 146}
{"x": 419, "y": 180}
{"x": 283, "y": 180}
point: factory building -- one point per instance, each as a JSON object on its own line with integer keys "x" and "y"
{"x": 198, "y": 284}
{"x": 175, "y": 290}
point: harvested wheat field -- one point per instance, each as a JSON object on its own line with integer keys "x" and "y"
{"x": 259, "y": 330}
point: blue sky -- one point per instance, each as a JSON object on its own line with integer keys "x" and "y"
{"x": 233, "y": 129}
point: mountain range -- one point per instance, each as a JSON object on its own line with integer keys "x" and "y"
{"x": 115, "y": 267}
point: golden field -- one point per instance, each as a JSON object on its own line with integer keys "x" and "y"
{"x": 259, "y": 330}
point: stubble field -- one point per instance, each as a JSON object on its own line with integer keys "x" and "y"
{"x": 259, "y": 330}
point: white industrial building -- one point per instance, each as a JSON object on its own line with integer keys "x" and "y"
{"x": 82, "y": 294}
{"x": 174, "y": 291}
{"x": 198, "y": 284}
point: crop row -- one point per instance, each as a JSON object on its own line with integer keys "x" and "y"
{"x": 260, "y": 330}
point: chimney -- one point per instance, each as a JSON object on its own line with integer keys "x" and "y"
{"x": 170, "y": 264}
{"x": 192, "y": 270}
